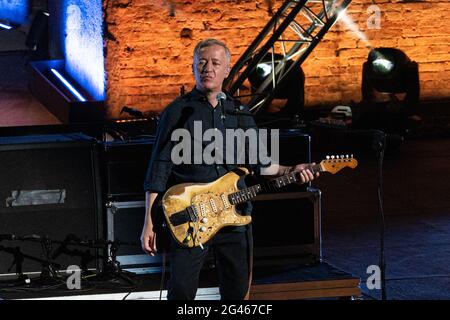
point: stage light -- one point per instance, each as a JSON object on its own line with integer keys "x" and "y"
{"x": 382, "y": 65}
{"x": 15, "y": 12}
{"x": 63, "y": 95}
{"x": 263, "y": 70}
{"x": 390, "y": 91}
{"x": 68, "y": 85}
{"x": 83, "y": 45}
{"x": 291, "y": 88}
{"x": 5, "y": 26}
{"x": 348, "y": 22}
{"x": 389, "y": 70}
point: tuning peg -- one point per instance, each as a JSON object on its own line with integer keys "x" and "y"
{"x": 332, "y": 157}
{"x": 346, "y": 156}
{"x": 327, "y": 157}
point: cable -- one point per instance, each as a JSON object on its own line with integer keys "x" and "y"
{"x": 125, "y": 297}
{"x": 163, "y": 274}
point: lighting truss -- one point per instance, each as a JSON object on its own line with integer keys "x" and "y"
{"x": 293, "y": 32}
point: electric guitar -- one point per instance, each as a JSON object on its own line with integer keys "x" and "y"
{"x": 196, "y": 212}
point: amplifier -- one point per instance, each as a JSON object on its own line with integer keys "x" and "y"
{"x": 125, "y": 164}
{"x": 50, "y": 190}
{"x": 124, "y": 224}
{"x": 287, "y": 228}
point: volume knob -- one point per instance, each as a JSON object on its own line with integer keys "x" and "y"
{"x": 202, "y": 229}
{"x": 204, "y": 220}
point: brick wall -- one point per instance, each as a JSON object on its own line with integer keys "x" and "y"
{"x": 149, "y": 46}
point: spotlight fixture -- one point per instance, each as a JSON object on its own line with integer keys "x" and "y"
{"x": 382, "y": 65}
{"x": 390, "y": 91}
{"x": 290, "y": 88}
{"x": 390, "y": 70}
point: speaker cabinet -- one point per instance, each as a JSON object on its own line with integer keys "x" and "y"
{"x": 287, "y": 228}
{"x": 124, "y": 225}
{"x": 49, "y": 190}
{"x": 126, "y": 165}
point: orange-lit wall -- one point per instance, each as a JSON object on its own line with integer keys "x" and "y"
{"x": 149, "y": 46}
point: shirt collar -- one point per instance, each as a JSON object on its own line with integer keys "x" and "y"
{"x": 196, "y": 94}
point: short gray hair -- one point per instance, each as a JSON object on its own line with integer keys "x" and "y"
{"x": 210, "y": 42}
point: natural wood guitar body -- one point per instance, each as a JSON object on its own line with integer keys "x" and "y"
{"x": 211, "y": 203}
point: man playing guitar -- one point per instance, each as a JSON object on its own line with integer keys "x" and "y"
{"x": 232, "y": 244}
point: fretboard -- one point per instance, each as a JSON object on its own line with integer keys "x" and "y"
{"x": 271, "y": 185}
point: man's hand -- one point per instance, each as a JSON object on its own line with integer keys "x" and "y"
{"x": 148, "y": 240}
{"x": 305, "y": 172}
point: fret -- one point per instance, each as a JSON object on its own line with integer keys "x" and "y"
{"x": 267, "y": 186}
{"x": 231, "y": 199}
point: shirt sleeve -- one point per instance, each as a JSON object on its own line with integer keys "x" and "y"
{"x": 160, "y": 165}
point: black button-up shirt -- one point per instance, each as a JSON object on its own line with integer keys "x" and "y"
{"x": 180, "y": 114}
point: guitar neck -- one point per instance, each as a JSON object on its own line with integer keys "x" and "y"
{"x": 271, "y": 185}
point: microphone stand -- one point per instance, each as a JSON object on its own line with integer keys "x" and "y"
{"x": 111, "y": 269}
{"x": 86, "y": 256}
{"x": 379, "y": 145}
{"x": 48, "y": 271}
{"x": 18, "y": 262}
{"x": 49, "y": 267}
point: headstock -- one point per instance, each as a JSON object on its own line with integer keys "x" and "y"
{"x": 334, "y": 164}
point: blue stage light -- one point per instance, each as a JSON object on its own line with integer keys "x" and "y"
{"x": 5, "y": 26}
{"x": 15, "y": 11}
{"x": 68, "y": 85}
{"x": 83, "y": 44}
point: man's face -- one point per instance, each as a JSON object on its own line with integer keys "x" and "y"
{"x": 210, "y": 68}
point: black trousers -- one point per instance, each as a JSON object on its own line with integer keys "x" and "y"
{"x": 232, "y": 251}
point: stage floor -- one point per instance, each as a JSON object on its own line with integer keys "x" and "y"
{"x": 269, "y": 283}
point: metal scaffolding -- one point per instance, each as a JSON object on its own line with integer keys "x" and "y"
{"x": 281, "y": 47}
